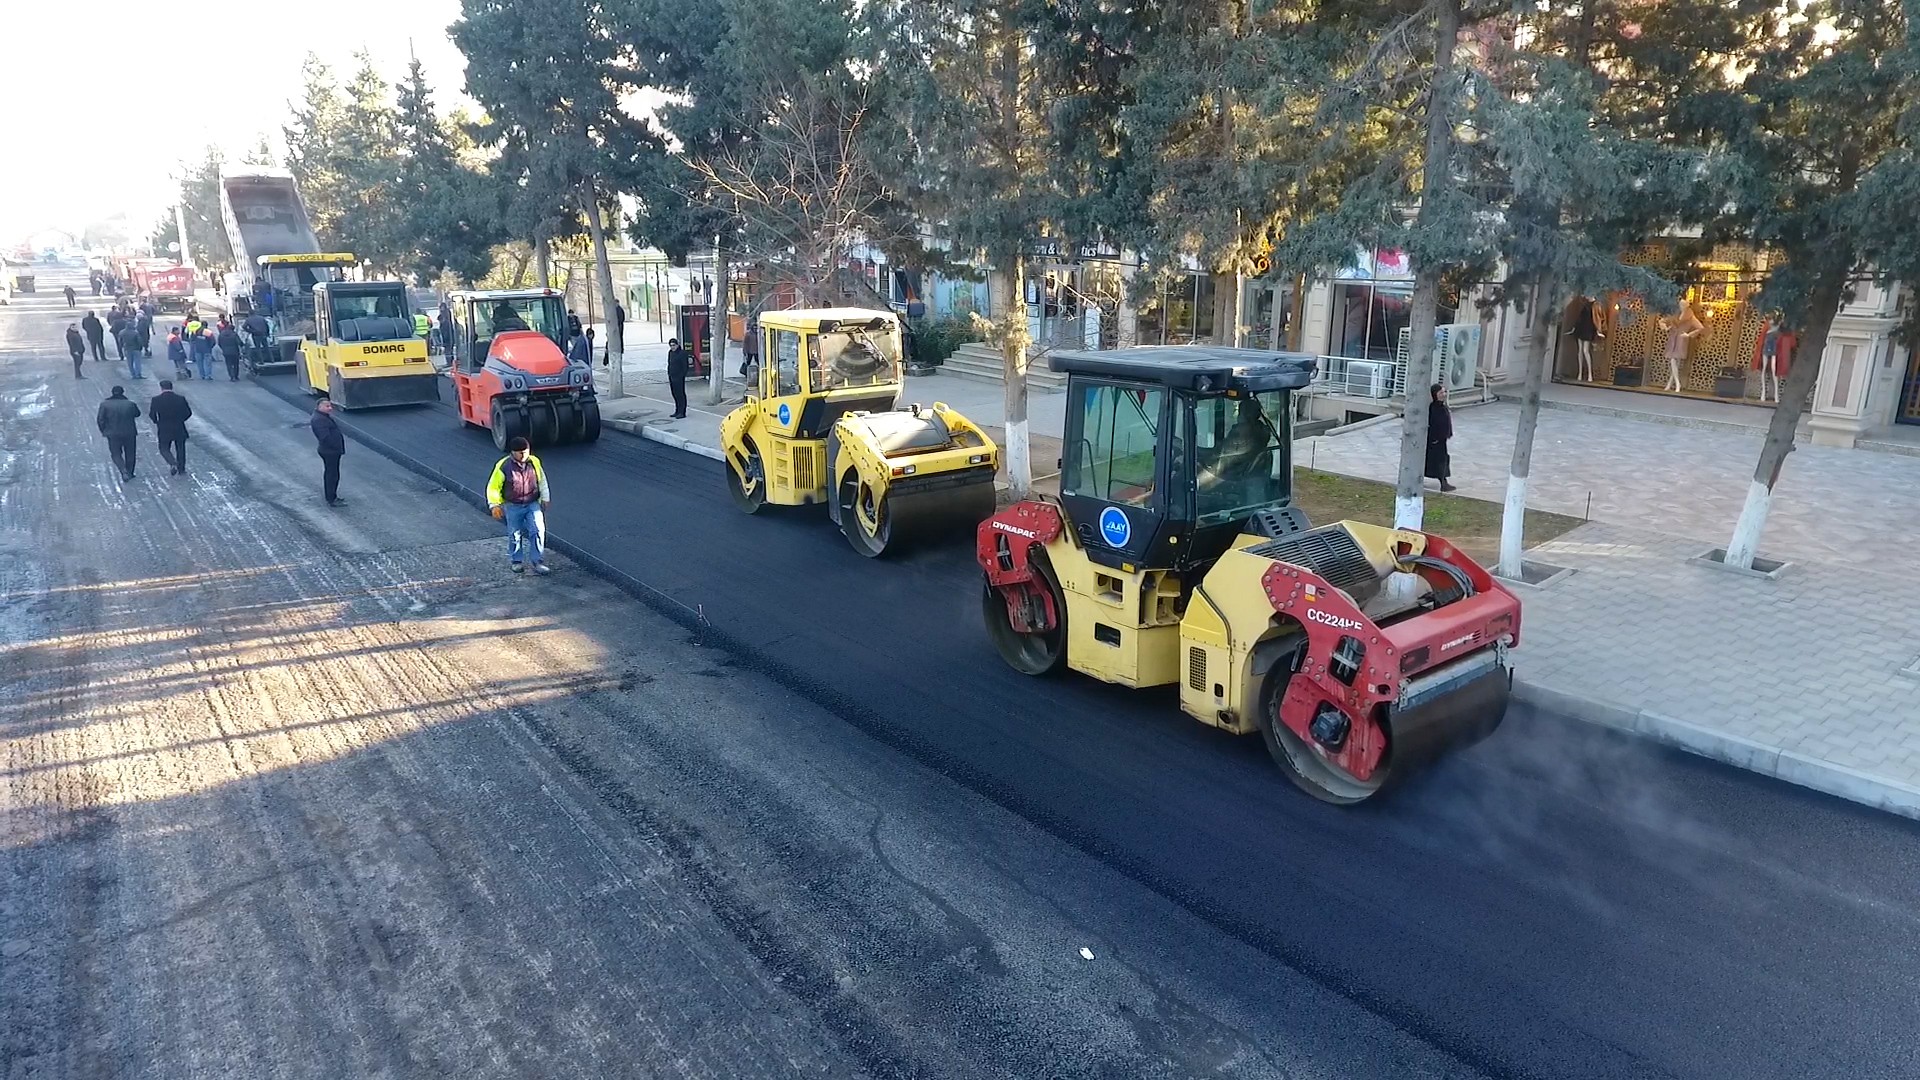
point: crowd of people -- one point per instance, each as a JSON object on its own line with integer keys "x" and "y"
{"x": 191, "y": 345}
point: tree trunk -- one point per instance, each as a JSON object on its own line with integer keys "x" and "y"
{"x": 616, "y": 364}
{"x": 519, "y": 277}
{"x": 1808, "y": 352}
{"x": 542, "y": 263}
{"x": 1409, "y": 501}
{"x": 1513, "y": 517}
{"x": 1010, "y": 301}
{"x": 723, "y": 296}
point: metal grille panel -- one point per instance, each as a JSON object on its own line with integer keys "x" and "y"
{"x": 1329, "y": 551}
{"x": 1197, "y": 667}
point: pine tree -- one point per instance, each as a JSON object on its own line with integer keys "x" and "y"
{"x": 313, "y": 151}
{"x": 446, "y": 221}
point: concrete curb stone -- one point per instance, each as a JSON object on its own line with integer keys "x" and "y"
{"x": 643, "y": 430}
{"x": 1786, "y": 765}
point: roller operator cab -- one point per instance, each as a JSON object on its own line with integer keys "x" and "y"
{"x": 510, "y": 369}
{"x": 823, "y": 425}
{"x": 1175, "y": 556}
{"x": 362, "y": 351}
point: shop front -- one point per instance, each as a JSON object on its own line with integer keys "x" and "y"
{"x": 1075, "y": 293}
{"x": 1719, "y": 345}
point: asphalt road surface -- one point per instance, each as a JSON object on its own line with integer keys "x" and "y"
{"x": 297, "y": 791}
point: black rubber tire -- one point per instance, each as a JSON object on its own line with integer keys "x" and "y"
{"x": 1029, "y": 654}
{"x": 589, "y": 421}
{"x": 544, "y": 423}
{"x": 498, "y": 425}
{"x": 1297, "y": 760}
{"x": 748, "y": 502}
{"x": 853, "y": 525}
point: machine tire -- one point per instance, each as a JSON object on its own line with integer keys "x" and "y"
{"x": 853, "y": 519}
{"x": 543, "y": 423}
{"x": 589, "y": 421}
{"x": 1029, "y": 654}
{"x": 500, "y": 426}
{"x": 749, "y": 502}
{"x": 1305, "y": 768}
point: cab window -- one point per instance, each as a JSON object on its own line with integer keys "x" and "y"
{"x": 786, "y": 356}
{"x": 1113, "y": 458}
{"x": 857, "y": 358}
{"x": 1240, "y": 455}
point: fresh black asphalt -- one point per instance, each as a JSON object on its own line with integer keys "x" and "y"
{"x": 1559, "y": 901}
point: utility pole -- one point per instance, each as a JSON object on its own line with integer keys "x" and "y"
{"x": 180, "y": 226}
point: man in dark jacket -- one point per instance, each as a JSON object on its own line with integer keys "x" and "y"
{"x": 78, "y": 347}
{"x": 116, "y": 322}
{"x": 130, "y": 351}
{"x": 257, "y": 330}
{"x": 143, "y": 322}
{"x": 170, "y": 413}
{"x": 229, "y": 342}
{"x": 119, "y": 420}
{"x": 96, "y": 335}
{"x": 677, "y": 377}
{"x": 70, "y": 295}
{"x": 333, "y": 445}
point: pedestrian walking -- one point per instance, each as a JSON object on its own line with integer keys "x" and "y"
{"x": 579, "y": 351}
{"x": 177, "y": 353}
{"x": 517, "y": 493}
{"x": 333, "y": 446}
{"x": 620, "y": 317}
{"x": 750, "y": 347}
{"x": 77, "y": 345}
{"x": 201, "y": 344}
{"x": 573, "y": 324}
{"x": 677, "y": 364}
{"x": 445, "y": 321}
{"x": 116, "y": 321}
{"x": 129, "y": 342}
{"x": 143, "y": 322}
{"x": 170, "y": 413}
{"x": 71, "y": 295}
{"x": 96, "y": 335}
{"x": 1439, "y": 430}
{"x": 229, "y": 342}
{"x": 119, "y": 421}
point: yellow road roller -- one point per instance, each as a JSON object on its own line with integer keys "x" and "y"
{"x": 1174, "y": 556}
{"x": 362, "y": 351}
{"x": 823, "y": 424}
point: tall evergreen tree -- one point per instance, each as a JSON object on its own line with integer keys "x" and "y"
{"x": 445, "y": 220}
{"x": 313, "y": 151}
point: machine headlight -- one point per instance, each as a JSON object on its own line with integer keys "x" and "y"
{"x": 976, "y": 459}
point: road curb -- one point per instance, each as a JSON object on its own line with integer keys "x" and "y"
{"x": 666, "y": 438}
{"x": 1789, "y": 766}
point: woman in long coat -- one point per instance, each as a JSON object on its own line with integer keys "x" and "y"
{"x": 1439, "y": 430}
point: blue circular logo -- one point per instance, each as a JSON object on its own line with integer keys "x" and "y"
{"x": 786, "y": 414}
{"x": 1115, "y": 529}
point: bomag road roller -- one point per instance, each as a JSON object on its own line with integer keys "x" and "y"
{"x": 362, "y": 351}
{"x": 510, "y": 369}
{"x": 1174, "y": 556}
{"x": 824, "y": 425}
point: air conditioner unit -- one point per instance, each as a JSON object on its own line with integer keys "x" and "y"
{"x": 1369, "y": 378}
{"x": 1456, "y": 355}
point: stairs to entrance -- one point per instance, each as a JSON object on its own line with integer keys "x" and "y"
{"x": 981, "y": 361}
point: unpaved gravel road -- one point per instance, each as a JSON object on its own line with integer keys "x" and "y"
{"x": 296, "y": 792}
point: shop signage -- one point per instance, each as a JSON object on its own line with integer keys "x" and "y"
{"x": 1054, "y": 247}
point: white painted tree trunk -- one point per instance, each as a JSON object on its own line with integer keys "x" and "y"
{"x": 722, "y": 302}
{"x": 1018, "y": 451}
{"x": 1540, "y": 350}
{"x": 616, "y": 363}
{"x": 1753, "y": 521}
{"x": 1513, "y": 528}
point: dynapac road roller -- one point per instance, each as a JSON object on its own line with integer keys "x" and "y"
{"x": 824, "y": 426}
{"x": 510, "y": 371}
{"x": 362, "y": 351}
{"x": 1175, "y": 556}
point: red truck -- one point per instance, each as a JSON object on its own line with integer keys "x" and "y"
{"x": 171, "y": 287}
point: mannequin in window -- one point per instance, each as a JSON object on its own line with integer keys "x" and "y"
{"x": 1681, "y": 328}
{"x": 1586, "y": 331}
{"x": 1772, "y": 351}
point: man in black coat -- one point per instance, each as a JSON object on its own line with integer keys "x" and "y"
{"x": 257, "y": 329}
{"x": 96, "y": 335}
{"x": 69, "y": 294}
{"x": 229, "y": 342}
{"x": 170, "y": 413}
{"x": 677, "y": 364}
{"x": 333, "y": 445}
{"x": 78, "y": 347}
{"x": 119, "y": 421}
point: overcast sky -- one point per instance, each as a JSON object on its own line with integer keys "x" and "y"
{"x": 100, "y": 99}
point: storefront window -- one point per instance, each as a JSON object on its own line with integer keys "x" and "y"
{"x": 1372, "y": 304}
{"x": 1719, "y": 345}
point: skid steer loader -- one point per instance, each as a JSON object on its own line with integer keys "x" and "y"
{"x": 1174, "y": 556}
{"x": 823, "y": 426}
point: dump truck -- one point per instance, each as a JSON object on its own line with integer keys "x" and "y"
{"x": 1174, "y": 556}
{"x": 824, "y": 425}
{"x": 274, "y": 242}
{"x": 510, "y": 371}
